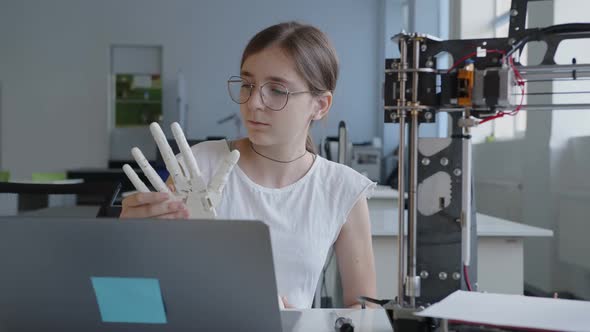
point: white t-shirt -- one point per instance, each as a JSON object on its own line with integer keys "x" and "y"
{"x": 304, "y": 218}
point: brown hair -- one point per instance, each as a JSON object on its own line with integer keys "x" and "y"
{"x": 314, "y": 56}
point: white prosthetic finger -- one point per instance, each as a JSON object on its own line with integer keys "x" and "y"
{"x": 223, "y": 170}
{"x": 135, "y": 180}
{"x": 222, "y": 175}
{"x": 149, "y": 172}
{"x": 180, "y": 181}
{"x": 183, "y": 166}
{"x": 185, "y": 150}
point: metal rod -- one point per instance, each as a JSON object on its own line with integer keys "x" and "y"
{"x": 413, "y": 167}
{"x": 412, "y": 70}
{"x": 466, "y": 196}
{"x": 416, "y": 59}
{"x": 412, "y": 210}
{"x": 552, "y": 107}
{"x": 553, "y": 93}
{"x": 530, "y": 80}
{"x": 557, "y": 75}
{"x": 531, "y": 107}
{"x": 400, "y": 175}
{"x": 407, "y": 108}
{"x": 401, "y": 206}
{"x": 553, "y": 68}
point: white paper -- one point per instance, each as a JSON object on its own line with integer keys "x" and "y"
{"x": 513, "y": 311}
{"x": 481, "y": 52}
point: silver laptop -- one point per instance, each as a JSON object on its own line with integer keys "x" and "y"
{"x": 83, "y": 274}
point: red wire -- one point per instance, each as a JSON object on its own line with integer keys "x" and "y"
{"x": 497, "y": 116}
{"x": 520, "y": 82}
{"x": 460, "y": 61}
{"x": 466, "y": 278}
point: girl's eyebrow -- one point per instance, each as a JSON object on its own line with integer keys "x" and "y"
{"x": 278, "y": 79}
{"x": 247, "y": 74}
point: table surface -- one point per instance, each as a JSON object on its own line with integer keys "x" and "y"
{"x": 65, "y": 181}
{"x": 384, "y": 223}
{"x": 63, "y": 211}
{"x": 385, "y": 192}
{"x": 369, "y": 320}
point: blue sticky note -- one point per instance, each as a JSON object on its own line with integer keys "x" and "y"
{"x": 129, "y": 300}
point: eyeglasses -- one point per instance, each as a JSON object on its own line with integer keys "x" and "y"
{"x": 274, "y": 95}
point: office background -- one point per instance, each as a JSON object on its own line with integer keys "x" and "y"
{"x": 55, "y": 113}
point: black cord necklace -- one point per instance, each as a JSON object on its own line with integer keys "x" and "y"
{"x": 276, "y": 160}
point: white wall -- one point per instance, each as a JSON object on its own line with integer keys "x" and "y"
{"x": 54, "y": 65}
{"x": 394, "y": 17}
{"x": 570, "y": 146}
{"x": 541, "y": 180}
{"x": 512, "y": 177}
{"x": 571, "y": 194}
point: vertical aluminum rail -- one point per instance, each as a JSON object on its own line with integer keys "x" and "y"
{"x": 400, "y": 173}
{"x": 412, "y": 284}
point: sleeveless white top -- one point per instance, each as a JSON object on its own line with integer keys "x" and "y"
{"x": 304, "y": 218}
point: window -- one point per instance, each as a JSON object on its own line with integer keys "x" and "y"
{"x": 507, "y": 127}
{"x": 137, "y": 85}
{"x": 135, "y": 98}
{"x": 138, "y": 100}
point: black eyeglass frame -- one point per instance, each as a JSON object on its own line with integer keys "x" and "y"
{"x": 236, "y": 79}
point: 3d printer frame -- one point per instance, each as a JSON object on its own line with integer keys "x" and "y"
{"x": 439, "y": 255}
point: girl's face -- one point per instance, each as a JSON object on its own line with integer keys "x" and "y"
{"x": 290, "y": 124}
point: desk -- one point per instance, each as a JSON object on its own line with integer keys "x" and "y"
{"x": 499, "y": 248}
{"x": 10, "y": 203}
{"x": 85, "y": 211}
{"x": 367, "y": 320}
{"x": 90, "y": 175}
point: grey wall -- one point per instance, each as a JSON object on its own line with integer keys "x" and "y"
{"x": 423, "y": 16}
{"x": 1, "y": 125}
{"x": 54, "y": 65}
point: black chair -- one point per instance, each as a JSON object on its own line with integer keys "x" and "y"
{"x": 109, "y": 212}
{"x": 102, "y": 194}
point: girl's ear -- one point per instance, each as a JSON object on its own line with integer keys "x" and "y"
{"x": 323, "y": 104}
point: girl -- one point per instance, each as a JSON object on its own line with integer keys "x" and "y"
{"x": 287, "y": 77}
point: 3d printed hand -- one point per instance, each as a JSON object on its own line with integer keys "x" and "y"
{"x": 199, "y": 197}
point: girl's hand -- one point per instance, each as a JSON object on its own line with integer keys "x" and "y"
{"x": 153, "y": 205}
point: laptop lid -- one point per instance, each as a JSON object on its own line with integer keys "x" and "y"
{"x": 83, "y": 274}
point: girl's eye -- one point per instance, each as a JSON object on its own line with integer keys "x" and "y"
{"x": 278, "y": 91}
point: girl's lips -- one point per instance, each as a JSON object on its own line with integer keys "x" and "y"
{"x": 257, "y": 124}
